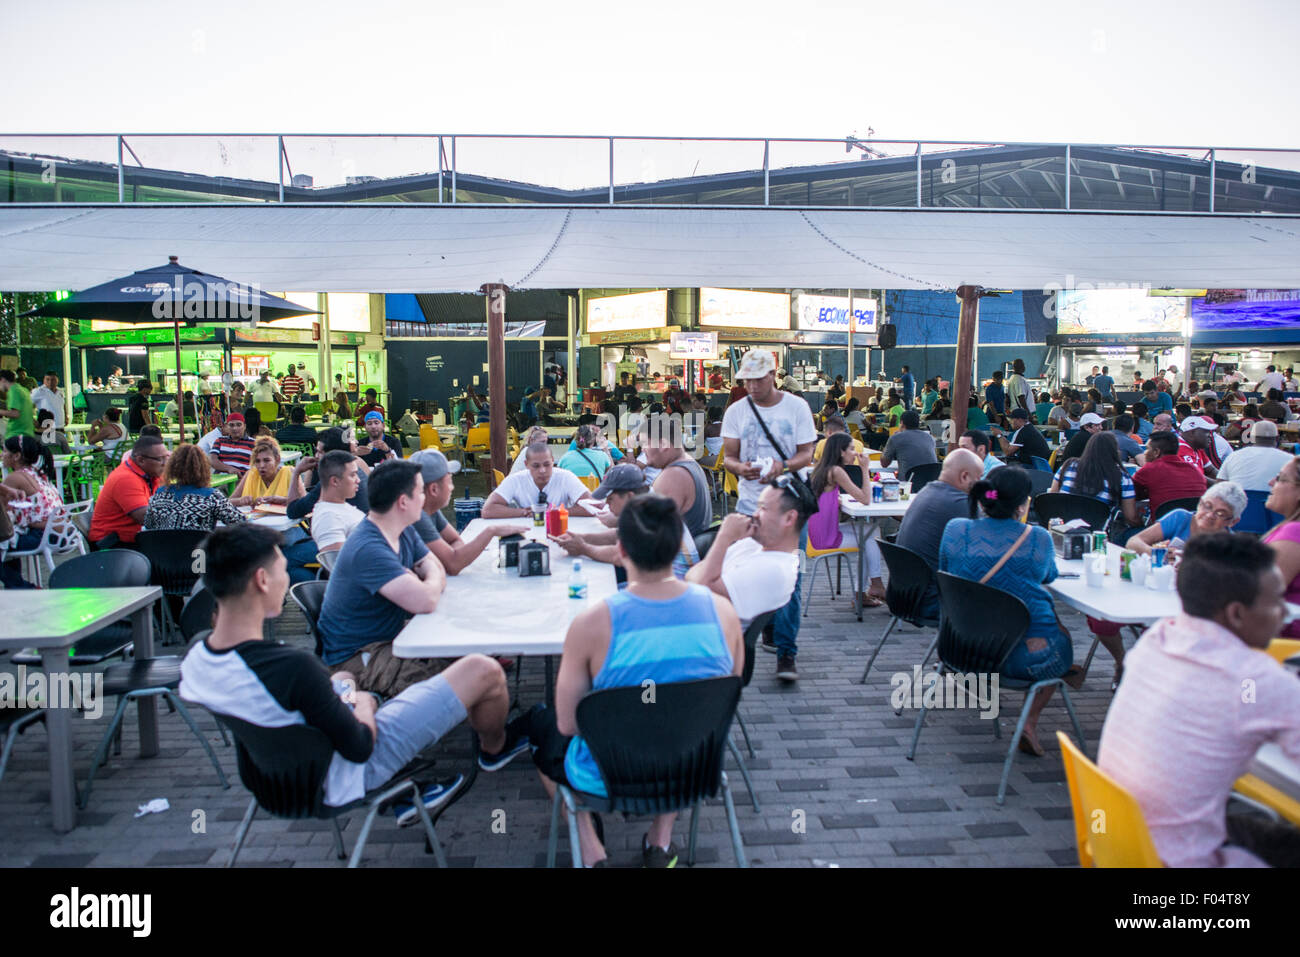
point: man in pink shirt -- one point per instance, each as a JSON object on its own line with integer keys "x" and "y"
{"x": 1198, "y": 698}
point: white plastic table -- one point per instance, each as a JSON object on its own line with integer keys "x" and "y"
{"x": 55, "y": 620}
{"x": 493, "y": 611}
{"x": 861, "y": 515}
{"x": 1116, "y": 600}
{"x": 289, "y": 456}
{"x": 1273, "y": 767}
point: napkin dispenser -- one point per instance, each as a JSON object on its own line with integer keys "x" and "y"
{"x": 1072, "y": 540}
{"x": 508, "y": 549}
{"x": 534, "y": 559}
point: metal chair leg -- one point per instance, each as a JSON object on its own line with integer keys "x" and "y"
{"x": 916, "y": 733}
{"x": 101, "y": 753}
{"x": 553, "y": 839}
{"x": 744, "y": 773}
{"x": 430, "y": 834}
{"x": 571, "y": 813}
{"x": 1074, "y": 718}
{"x": 745, "y": 731}
{"x": 1092, "y": 650}
{"x": 695, "y": 830}
{"x": 184, "y": 713}
{"x": 839, "y": 574}
{"x": 830, "y": 582}
{"x": 1015, "y": 738}
{"x": 737, "y": 842}
{"x": 339, "y": 850}
{"x": 242, "y": 833}
{"x": 360, "y": 846}
{"x": 812, "y": 582}
{"x": 934, "y": 643}
{"x": 893, "y": 621}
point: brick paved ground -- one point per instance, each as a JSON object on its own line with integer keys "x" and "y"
{"x": 830, "y": 753}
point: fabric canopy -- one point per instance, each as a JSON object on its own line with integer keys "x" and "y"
{"x": 365, "y": 248}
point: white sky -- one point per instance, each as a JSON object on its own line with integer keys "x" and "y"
{"x": 1131, "y": 72}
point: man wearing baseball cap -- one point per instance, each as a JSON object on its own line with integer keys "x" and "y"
{"x": 233, "y": 451}
{"x": 748, "y": 430}
{"x": 1025, "y": 442}
{"x": 1196, "y": 444}
{"x": 438, "y": 534}
{"x": 1090, "y": 423}
{"x": 1253, "y": 466}
{"x": 379, "y": 444}
{"x": 621, "y": 484}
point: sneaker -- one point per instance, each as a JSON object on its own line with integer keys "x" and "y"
{"x": 655, "y": 856}
{"x": 785, "y": 669}
{"x": 516, "y": 744}
{"x": 768, "y": 644}
{"x": 433, "y": 798}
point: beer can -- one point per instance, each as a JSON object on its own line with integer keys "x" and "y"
{"x": 1099, "y": 542}
{"x": 1126, "y": 565}
{"x": 1158, "y": 557}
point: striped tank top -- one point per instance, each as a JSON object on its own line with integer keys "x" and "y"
{"x": 663, "y": 641}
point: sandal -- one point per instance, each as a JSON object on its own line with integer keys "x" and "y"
{"x": 1074, "y": 677}
{"x": 1029, "y": 746}
{"x": 871, "y": 601}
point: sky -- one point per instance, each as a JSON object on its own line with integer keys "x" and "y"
{"x": 1133, "y": 72}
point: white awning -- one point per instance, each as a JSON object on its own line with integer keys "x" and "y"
{"x": 364, "y": 248}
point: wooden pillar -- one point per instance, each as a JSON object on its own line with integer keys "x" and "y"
{"x": 496, "y": 323}
{"x": 961, "y": 374}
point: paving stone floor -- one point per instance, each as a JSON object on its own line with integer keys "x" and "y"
{"x": 830, "y": 775}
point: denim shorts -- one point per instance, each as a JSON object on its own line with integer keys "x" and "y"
{"x": 1050, "y": 662}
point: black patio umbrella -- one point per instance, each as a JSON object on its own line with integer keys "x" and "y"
{"x": 177, "y": 293}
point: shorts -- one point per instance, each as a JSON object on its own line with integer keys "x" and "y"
{"x": 549, "y": 747}
{"x": 378, "y": 670}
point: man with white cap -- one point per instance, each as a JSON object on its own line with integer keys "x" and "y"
{"x": 1254, "y": 466}
{"x": 1090, "y": 423}
{"x": 1196, "y": 444}
{"x": 438, "y": 534}
{"x": 748, "y": 430}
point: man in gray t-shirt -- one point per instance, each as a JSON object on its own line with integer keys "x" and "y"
{"x": 910, "y": 446}
{"x": 934, "y": 507}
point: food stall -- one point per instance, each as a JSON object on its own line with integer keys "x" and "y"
{"x": 1246, "y": 331}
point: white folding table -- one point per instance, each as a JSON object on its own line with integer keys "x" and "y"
{"x": 861, "y": 515}
{"x": 54, "y": 621}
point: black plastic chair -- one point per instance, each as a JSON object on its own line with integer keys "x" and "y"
{"x": 1175, "y": 503}
{"x": 1039, "y": 483}
{"x": 144, "y": 678}
{"x": 910, "y": 577}
{"x": 111, "y": 568}
{"x": 198, "y": 613}
{"x": 752, "y": 634}
{"x": 704, "y": 540}
{"x": 1068, "y": 507}
{"x": 981, "y": 626}
{"x": 310, "y": 596}
{"x": 175, "y": 556}
{"x": 657, "y": 759}
{"x": 13, "y": 722}
{"x": 922, "y": 475}
{"x": 284, "y": 769}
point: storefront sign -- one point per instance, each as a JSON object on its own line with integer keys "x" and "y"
{"x": 631, "y": 336}
{"x": 639, "y": 310}
{"x": 797, "y": 337}
{"x": 296, "y": 337}
{"x": 693, "y": 345}
{"x": 737, "y": 308}
{"x": 147, "y": 336}
{"x": 831, "y": 313}
{"x": 1118, "y": 339}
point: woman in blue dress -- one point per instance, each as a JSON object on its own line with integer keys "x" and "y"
{"x": 972, "y": 547}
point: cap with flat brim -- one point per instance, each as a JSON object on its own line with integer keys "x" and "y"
{"x": 1194, "y": 422}
{"x": 1019, "y": 413}
{"x": 434, "y": 465}
{"x": 621, "y": 478}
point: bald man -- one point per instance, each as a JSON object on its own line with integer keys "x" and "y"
{"x": 934, "y": 507}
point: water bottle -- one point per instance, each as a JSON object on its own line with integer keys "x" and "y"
{"x": 577, "y": 580}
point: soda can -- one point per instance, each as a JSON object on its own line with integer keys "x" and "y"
{"x": 1158, "y": 557}
{"x": 877, "y": 493}
{"x": 1126, "y": 565}
{"x": 1099, "y": 542}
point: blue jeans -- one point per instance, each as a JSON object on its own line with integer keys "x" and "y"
{"x": 299, "y": 549}
{"x": 785, "y": 626}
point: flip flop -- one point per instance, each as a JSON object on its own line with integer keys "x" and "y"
{"x": 1074, "y": 677}
{"x": 1029, "y": 747}
{"x": 871, "y": 601}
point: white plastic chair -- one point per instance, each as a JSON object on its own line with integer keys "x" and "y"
{"x": 60, "y": 537}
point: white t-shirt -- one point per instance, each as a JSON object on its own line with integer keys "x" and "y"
{"x": 263, "y": 391}
{"x": 1273, "y": 380}
{"x": 52, "y": 401}
{"x": 332, "y": 522}
{"x": 209, "y": 441}
{"x": 791, "y": 423}
{"x": 758, "y": 580}
{"x": 1016, "y": 385}
{"x": 520, "y": 491}
{"x": 1254, "y": 466}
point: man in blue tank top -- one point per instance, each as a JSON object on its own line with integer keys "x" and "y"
{"x": 658, "y": 629}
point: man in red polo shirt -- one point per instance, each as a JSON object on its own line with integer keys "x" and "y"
{"x": 1167, "y": 475}
{"x": 122, "y": 502}
{"x": 232, "y": 451}
{"x": 1196, "y": 444}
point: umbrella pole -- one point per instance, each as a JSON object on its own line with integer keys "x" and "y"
{"x": 180, "y": 389}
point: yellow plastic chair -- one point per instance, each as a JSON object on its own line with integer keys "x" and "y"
{"x": 478, "y": 439}
{"x": 824, "y": 556}
{"x": 497, "y": 478}
{"x": 1108, "y": 825}
{"x": 270, "y": 411}
{"x": 429, "y": 438}
{"x": 1280, "y": 649}
{"x": 591, "y": 481}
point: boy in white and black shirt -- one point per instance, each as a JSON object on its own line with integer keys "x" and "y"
{"x": 235, "y": 672}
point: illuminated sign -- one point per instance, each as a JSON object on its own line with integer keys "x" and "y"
{"x": 639, "y": 310}
{"x": 693, "y": 345}
{"x": 744, "y": 308}
{"x": 348, "y": 311}
{"x": 831, "y": 313}
{"x": 1118, "y": 312}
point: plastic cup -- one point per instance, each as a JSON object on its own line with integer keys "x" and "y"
{"x": 904, "y": 490}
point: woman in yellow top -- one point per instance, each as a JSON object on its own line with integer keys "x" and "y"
{"x": 267, "y": 482}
